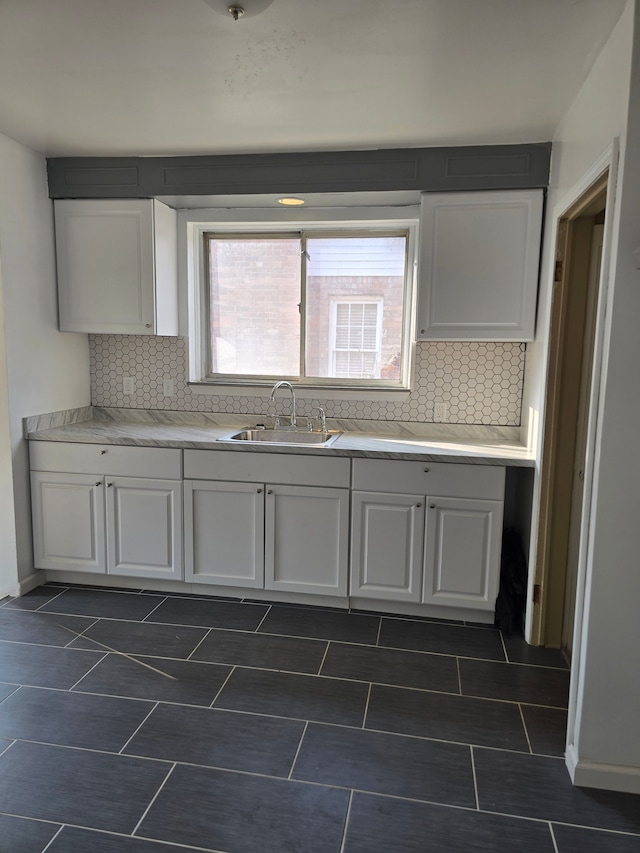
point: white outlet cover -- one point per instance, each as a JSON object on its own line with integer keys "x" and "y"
{"x": 128, "y": 385}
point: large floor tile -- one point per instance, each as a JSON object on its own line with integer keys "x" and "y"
{"x": 242, "y": 648}
{"x": 210, "y": 613}
{"x": 73, "y": 840}
{"x": 386, "y": 764}
{"x": 573, "y": 839}
{"x": 392, "y": 666}
{"x": 515, "y": 683}
{"x": 44, "y": 666}
{"x": 240, "y": 813}
{"x": 322, "y": 624}
{"x": 306, "y": 697}
{"x": 533, "y": 786}
{"x": 446, "y": 717}
{"x": 216, "y": 738}
{"x": 74, "y": 786}
{"x": 47, "y": 629}
{"x": 35, "y": 599}
{"x": 547, "y": 729}
{"x": 19, "y": 835}
{"x": 141, "y": 638}
{"x": 108, "y": 605}
{"x": 519, "y": 651}
{"x": 71, "y": 719}
{"x": 7, "y": 690}
{"x": 189, "y": 683}
{"x": 441, "y": 638}
{"x": 383, "y": 825}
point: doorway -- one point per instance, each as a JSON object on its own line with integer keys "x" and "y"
{"x": 572, "y": 339}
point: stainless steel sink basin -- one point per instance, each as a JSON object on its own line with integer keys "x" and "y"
{"x": 292, "y": 437}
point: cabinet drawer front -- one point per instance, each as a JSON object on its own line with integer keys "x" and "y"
{"x": 266, "y": 467}
{"x": 150, "y": 462}
{"x": 429, "y": 478}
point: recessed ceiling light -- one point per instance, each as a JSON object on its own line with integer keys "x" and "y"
{"x": 291, "y": 202}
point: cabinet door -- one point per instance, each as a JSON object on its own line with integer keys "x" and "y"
{"x": 479, "y": 257}
{"x": 224, "y": 533}
{"x": 144, "y": 528}
{"x": 307, "y": 539}
{"x": 105, "y": 259}
{"x": 386, "y": 546}
{"x": 68, "y": 522}
{"x": 462, "y": 552}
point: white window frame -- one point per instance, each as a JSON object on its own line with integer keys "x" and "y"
{"x": 193, "y": 224}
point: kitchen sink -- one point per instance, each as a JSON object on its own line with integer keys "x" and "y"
{"x": 291, "y": 437}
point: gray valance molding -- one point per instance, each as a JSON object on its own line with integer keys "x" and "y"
{"x": 486, "y": 167}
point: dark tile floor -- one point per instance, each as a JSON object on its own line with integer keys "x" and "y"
{"x": 136, "y": 722}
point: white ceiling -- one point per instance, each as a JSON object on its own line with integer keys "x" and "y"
{"x": 116, "y": 77}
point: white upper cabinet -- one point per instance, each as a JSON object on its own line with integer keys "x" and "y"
{"x": 479, "y": 259}
{"x": 117, "y": 267}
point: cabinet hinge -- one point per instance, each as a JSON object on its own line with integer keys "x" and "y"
{"x": 537, "y": 592}
{"x": 557, "y": 276}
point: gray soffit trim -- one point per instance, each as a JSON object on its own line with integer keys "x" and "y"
{"x": 486, "y": 167}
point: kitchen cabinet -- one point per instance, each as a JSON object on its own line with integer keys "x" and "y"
{"x": 117, "y": 266}
{"x": 88, "y": 517}
{"x": 438, "y": 544}
{"x": 387, "y": 536}
{"x": 272, "y": 521}
{"x": 478, "y": 270}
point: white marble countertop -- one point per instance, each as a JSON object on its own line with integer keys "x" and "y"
{"x": 484, "y": 446}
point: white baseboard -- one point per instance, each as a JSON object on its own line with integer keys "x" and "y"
{"x": 593, "y": 774}
{"x": 25, "y": 585}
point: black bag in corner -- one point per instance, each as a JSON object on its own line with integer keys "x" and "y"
{"x": 512, "y": 595}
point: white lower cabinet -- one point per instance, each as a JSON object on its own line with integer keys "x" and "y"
{"x": 272, "y": 533}
{"x": 462, "y": 552}
{"x": 144, "y": 528}
{"x": 307, "y": 539}
{"x": 101, "y": 523}
{"x": 224, "y": 533}
{"x": 68, "y": 522}
{"x": 441, "y": 547}
{"x": 386, "y": 547}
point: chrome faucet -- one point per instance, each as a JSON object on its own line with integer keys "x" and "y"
{"x": 289, "y": 386}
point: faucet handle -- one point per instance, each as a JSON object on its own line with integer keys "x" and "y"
{"x": 322, "y": 418}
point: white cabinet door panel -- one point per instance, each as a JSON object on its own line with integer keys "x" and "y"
{"x": 479, "y": 258}
{"x": 386, "y": 548}
{"x": 307, "y": 539}
{"x": 104, "y": 253}
{"x": 68, "y": 522}
{"x": 144, "y": 528}
{"x": 462, "y": 552}
{"x": 224, "y": 533}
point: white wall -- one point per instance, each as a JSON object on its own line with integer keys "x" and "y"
{"x": 46, "y": 370}
{"x": 603, "y": 747}
{"x": 597, "y": 117}
{"x": 8, "y": 557}
{"x": 608, "y": 687}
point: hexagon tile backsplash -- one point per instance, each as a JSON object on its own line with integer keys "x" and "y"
{"x": 480, "y": 383}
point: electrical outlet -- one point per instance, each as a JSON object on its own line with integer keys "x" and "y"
{"x": 129, "y": 385}
{"x": 440, "y": 412}
{"x": 168, "y": 387}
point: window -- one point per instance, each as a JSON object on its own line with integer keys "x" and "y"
{"x": 316, "y": 306}
{"x": 356, "y": 337}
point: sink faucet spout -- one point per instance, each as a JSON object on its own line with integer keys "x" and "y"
{"x": 289, "y": 387}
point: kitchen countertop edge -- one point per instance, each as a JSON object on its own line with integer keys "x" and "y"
{"x": 349, "y": 444}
